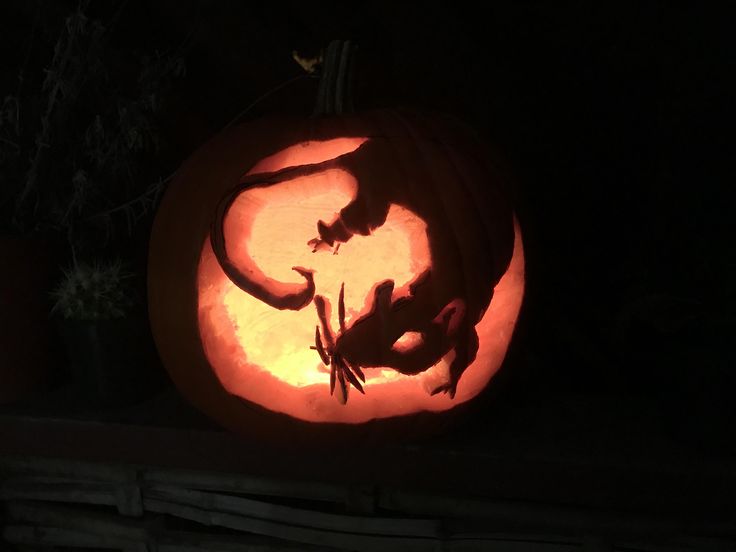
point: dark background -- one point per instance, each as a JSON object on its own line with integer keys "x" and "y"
{"x": 617, "y": 122}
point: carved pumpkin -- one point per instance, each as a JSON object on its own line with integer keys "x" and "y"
{"x": 417, "y": 238}
{"x": 345, "y": 272}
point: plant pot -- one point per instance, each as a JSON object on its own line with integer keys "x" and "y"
{"x": 25, "y": 350}
{"x": 113, "y": 361}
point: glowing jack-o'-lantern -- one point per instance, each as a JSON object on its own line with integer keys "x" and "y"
{"x": 410, "y": 286}
{"x": 340, "y": 272}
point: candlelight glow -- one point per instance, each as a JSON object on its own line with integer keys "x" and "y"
{"x": 263, "y": 354}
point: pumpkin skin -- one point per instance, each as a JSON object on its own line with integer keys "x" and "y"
{"x": 447, "y": 211}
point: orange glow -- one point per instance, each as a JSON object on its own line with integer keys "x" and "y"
{"x": 263, "y": 354}
{"x": 408, "y": 341}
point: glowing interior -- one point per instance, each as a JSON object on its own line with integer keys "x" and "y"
{"x": 263, "y": 354}
{"x": 279, "y": 340}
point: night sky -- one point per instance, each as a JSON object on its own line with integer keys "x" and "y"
{"x": 618, "y": 125}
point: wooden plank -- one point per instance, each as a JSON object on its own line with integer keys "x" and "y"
{"x": 362, "y": 542}
{"x": 188, "y": 541}
{"x": 240, "y": 483}
{"x": 38, "y": 523}
{"x": 502, "y": 545}
{"x": 60, "y": 468}
{"x": 128, "y": 499}
{"x": 55, "y": 536}
{"x": 167, "y": 541}
{"x": 125, "y": 496}
{"x": 461, "y": 512}
{"x": 680, "y": 489}
{"x": 495, "y": 514}
{"x": 296, "y": 516}
{"x": 319, "y": 537}
{"x": 56, "y": 470}
{"x": 76, "y": 519}
{"x": 79, "y": 492}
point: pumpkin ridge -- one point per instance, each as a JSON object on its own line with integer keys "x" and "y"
{"x": 460, "y": 167}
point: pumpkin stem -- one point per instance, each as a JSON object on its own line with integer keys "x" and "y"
{"x": 335, "y": 94}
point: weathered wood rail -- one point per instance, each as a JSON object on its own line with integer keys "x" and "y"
{"x": 90, "y": 484}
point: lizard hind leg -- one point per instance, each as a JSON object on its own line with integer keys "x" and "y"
{"x": 465, "y": 350}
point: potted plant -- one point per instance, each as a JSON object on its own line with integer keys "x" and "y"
{"x": 80, "y": 167}
{"x": 108, "y": 347}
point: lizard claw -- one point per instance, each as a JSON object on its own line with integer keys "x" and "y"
{"x": 318, "y": 245}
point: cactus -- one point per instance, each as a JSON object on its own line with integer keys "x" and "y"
{"x": 94, "y": 291}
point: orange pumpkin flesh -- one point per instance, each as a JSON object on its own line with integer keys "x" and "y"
{"x": 263, "y": 355}
{"x": 227, "y": 350}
